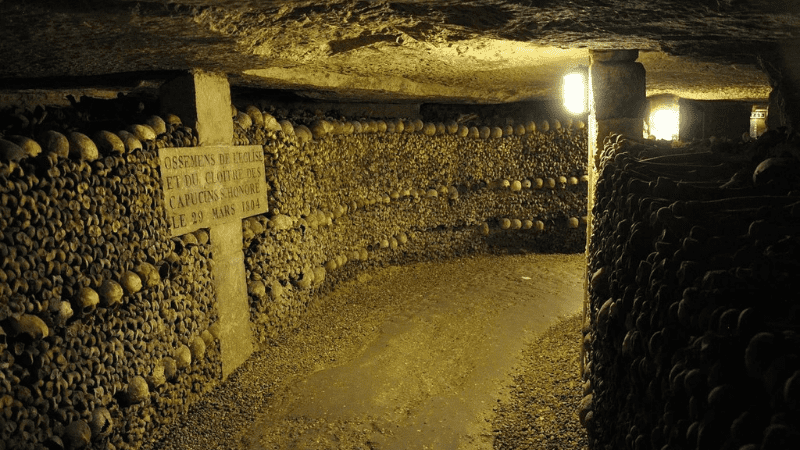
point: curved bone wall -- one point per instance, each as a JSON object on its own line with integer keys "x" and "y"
{"x": 692, "y": 333}
{"x": 105, "y": 319}
{"x": 107, "y": 325}
{"x": 349, "y": 200}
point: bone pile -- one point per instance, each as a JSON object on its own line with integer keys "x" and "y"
{"x": 346, "y": 195}
{"x": 108, "y": 327}
{"x": 106, "y": 323}
{"x": 692, "y": 332}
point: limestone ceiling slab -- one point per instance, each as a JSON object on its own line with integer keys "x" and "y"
{"x": 440, "y": 50}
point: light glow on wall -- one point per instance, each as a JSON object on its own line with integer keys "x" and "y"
{"x": 663, "y": 117}
{"x": 574, "y": 92}
{"x": 665, "y": 123}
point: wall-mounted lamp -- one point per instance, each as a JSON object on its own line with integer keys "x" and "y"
{"x": 663, "y": 118}
{"x": 574, "y": 91}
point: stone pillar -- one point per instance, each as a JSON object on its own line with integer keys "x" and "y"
{"x": 617, "y": 103}
{"x": 617, "y": 97}
{"x": 203, "y": 101}
{"x": 783, "y": 68}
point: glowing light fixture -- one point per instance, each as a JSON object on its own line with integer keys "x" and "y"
{"x": 665, "y": 123}
{"x": 663, "y": 117}
{"x": 574, "y": 92}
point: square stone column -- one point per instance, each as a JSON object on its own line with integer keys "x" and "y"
{"x": 617, "y": 103}
{"x": 617, "y": 96}
{"x": 783, "y": 68}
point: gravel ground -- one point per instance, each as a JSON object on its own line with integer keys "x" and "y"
{"x": 447, "y": 355}
{"x": 542, "y": 411}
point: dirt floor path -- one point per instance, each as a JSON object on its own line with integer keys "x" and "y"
{"x": 413, "y": 357}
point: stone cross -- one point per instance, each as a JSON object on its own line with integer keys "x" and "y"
{"x": 215, "y": 186}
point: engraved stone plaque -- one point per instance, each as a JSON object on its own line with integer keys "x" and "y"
{"x": 211, "y": 185}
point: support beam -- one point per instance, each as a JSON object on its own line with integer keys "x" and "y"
{"x": 617, "y": 98}
{"x": 783, "y": 67}
{"x": 617, "y": 104}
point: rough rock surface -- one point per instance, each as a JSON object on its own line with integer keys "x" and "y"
{"x": 489, "y": 51}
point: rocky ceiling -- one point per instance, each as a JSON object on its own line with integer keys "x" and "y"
{"x": 489, "y": 51}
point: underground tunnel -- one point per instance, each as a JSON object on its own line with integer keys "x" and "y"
{"x": 399, "y": 225}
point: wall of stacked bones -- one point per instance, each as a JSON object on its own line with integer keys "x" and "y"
{"x": 692, "y": 337}
{"x": 108, "y": 325}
